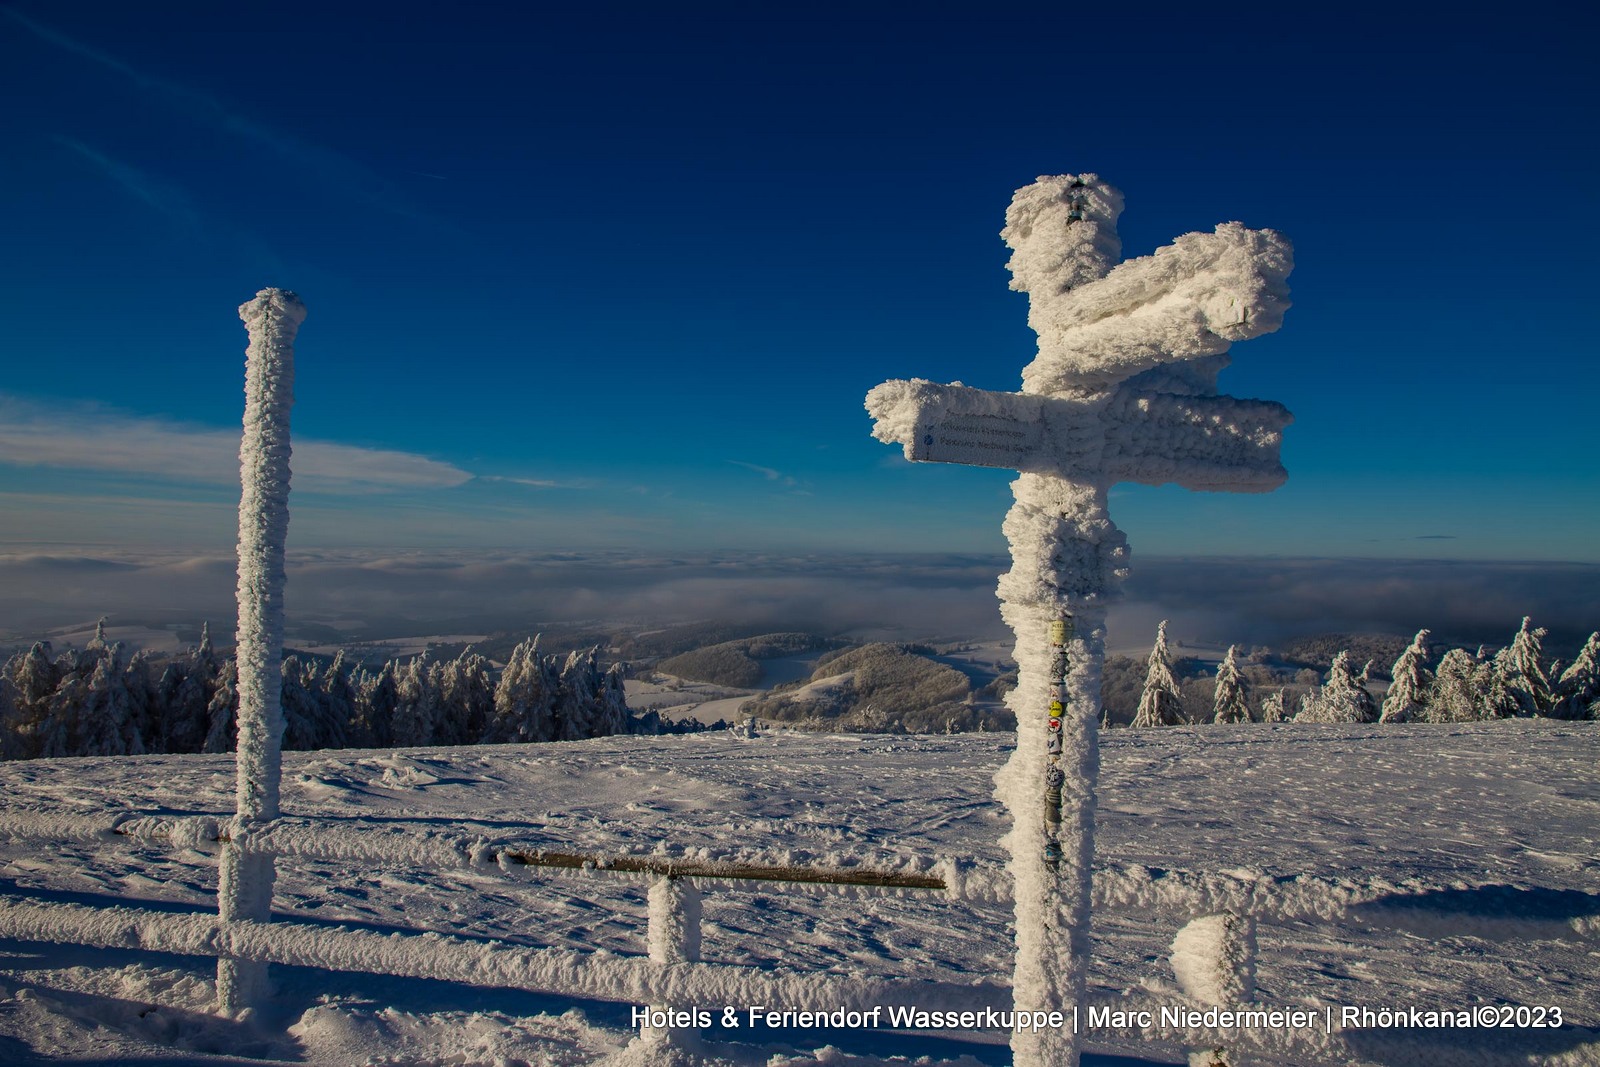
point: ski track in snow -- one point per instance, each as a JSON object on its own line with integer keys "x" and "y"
{"x": 1512, "y": 804}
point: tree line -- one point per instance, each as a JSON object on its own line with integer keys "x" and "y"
{"x": 1460, "y": 687}
{"x": 102, "y": 701}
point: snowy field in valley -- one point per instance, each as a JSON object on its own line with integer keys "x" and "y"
{"x": 1485, "y": 833}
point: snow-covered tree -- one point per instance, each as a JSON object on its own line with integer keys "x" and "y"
{"x": 1577, "y": 694}
{"x": 613, "y": 714}
{"x": 1160, "y": 704}
{"x": 524, "y": 701}
{"x": 310, "y": 719}
{"x": 416, "y": 711}
{"x": 34, "y": 677}
{"x": 222, "y": 713}
{"x": 107, "y": 725}
{"x": 1521, "y": 672}
{"x": 1232, "y": 701}
{"x": 1272, "y": 709}
{"x": 1406, "y": 700}
{"x": 1456, "y": 694}
{"x": 1496, "y": 700}
{"x": 1342, "y": 697}
{"x": 579, "y": 696}
{"x": 375, "y": 706}
{"x": 466, "y": 699}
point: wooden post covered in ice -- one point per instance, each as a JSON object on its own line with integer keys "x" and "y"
{"x": 1123, "y": 389}
{"x": 245, "y": 880}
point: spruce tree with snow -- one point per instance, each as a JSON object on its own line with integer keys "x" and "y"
{"x": 338, "y": 696}
{"x": 378, "y": 698}
{"x": 1232, "y": 700}
{"x": 416, "y": 710}
{"x": 34, "y": 677}
{"x": 524, "y": 701}
{"x": 222, "y": 713}
{"x": 186, "y": 691}
{"x": 1455, "y": 694}
{"x": 1519, "y": 669}
{"x": 1342, "y": 698}
{"x": 310, "y": 721}
{"x": 1272, "y": 709}
{"x": 107, "y": 725}
{"x": 466, "y": 697}
{"x": 1577, "y": 694}
{"x": 1159, "y": 704}
{"x": 1495, "y": 698}
{"x": 10, "y": 737}
{"x": 614, "y": 717}
{"x": 1406, "y": 700}
{"x": 579, "y": 696}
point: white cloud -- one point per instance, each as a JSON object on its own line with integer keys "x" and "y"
{"x": 768, "y": 473}
{"x": 87, "y": 437}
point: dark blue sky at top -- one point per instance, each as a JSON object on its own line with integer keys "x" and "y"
{"x": 656, "y": 256}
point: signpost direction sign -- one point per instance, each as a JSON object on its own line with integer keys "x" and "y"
{"x": 1123, "y": 389}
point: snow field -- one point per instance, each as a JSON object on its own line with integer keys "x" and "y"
{"x": 1511, "y": 806}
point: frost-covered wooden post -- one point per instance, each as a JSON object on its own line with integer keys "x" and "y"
{"x": 245, "y": 880}
{"x": 674, "y": 938}
{"x": 1123, "y": 389}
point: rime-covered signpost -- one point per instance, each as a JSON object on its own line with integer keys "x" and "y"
{"x": 246, "y": 878}
{"x": 1124, "y": 388}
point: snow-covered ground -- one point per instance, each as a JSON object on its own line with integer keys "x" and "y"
{"x": 1494, "y": 820}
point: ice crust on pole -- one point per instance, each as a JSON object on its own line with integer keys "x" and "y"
{"x": 245, "y": 879}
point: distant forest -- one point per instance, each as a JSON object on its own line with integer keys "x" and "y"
{"x": 1460, "y": 686}
{"x": 101, "y": 701}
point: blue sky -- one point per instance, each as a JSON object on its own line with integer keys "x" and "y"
{"x": 620, "y": 277}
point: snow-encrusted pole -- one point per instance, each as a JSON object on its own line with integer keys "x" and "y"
{"x": 1123, "y": 389}
{"x": 246, "y": 879}
{"x": 1067, "y": 557}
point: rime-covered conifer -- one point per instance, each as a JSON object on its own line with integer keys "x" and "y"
{"x": 1272, "y": 709}
{"x": 579, "y": 696}
{"x": 1495, "y": 698}
{"x": 1342, "y": 697}
{"x": 1577, "y": 694}
{"x": 1160, "y": 703}
{"x": 416, "y": 710}
{"x": 466, "y": 697}
{"x": 613, "y": 712}
{"x": 106, "y": 723}
{"x": 222, "y": 712}
{"x": 524, "y": 701}
{"x": 1455, "y": 695}
{"x": 379, "y": 697}
{"x": 1521, "y": 672}
{"x": 1406, "y": 700}
{"x": 1232, "y": 700}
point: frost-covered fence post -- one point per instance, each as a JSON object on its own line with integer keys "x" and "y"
{"x": 245, "y": 880}
{"x": 1124, "y": 388}
{"x": 1214, "y": 960}
{"x": 674, "y": 938}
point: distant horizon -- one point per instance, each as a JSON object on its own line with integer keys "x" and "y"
{"x": 1210, "y": 600}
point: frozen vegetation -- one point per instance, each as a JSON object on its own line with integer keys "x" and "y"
{"x": 102, "y": 701}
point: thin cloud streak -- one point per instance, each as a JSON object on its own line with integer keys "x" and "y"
{"x": 769, "y": 474}
{"x": 330, "y": 168}
{"x": 91, "y": 438}
{"x": 149, "y": 190}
